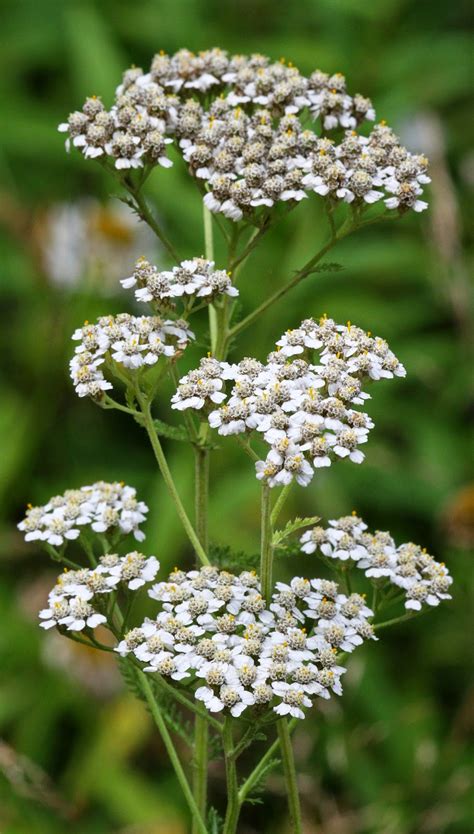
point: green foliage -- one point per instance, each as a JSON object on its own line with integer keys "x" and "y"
{"x": 291, "y": 527}
{"x": 225, "y": 558}
{"x": 168, "y": 707}
{"x": 214, "y": 821}
{"x": 171, "y": 432}
{"x": 393, "y": 754}
{"x": 255, "y": 796}
{"x": 329, "y": 267}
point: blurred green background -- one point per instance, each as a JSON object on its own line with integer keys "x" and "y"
{"x": 77, "y": 754}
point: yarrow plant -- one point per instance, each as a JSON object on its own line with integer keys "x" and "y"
{"x": 238, "y": 651}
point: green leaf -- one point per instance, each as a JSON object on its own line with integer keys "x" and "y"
{"x": 214, "y": 821}
{"x": 291, "y": 527}
{"x": 233, "y": 560}
{"x": 171, "y": 432}
{"x": 329, "y": 267}
{"x": 254, "y": 797}
{"x": 167, "y": 706}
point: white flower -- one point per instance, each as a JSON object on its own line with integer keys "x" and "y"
{"x": 424, "y": 580}
{"x": 293, "y": 698}
{"x": 101, "y": 506}
{"x": 81, "y": 615}
{"x": 217, "y": 627}
{"x": 132, "y": 341}
{"x": 197, "y": 277}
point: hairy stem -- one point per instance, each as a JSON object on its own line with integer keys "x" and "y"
{"x": 233, "y": 804}
{"x": 170, "y": 749}
{"x": 201, "y": 726}
{"x": 201, "y": 481}
{"x": 192, "y": 706}
{"x": 290, "y": 775}
{"x": 256, "y": 774}
{"x": 200, "y": 765}
{"x": 209, "y": 253}
{"x": 266, "y": 550}
{"x": 168, "y": 479}
{"x": 279, "y": 503}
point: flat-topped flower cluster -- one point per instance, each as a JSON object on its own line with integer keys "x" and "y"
{"x": 215, "y": 628}
{"x": 304, "y": 411}
{"x": 196, "y": 277}
{"x": 249, "y": 144}
{"x": 73, "y": 601}
{"x": 130, "y": 341}
{"x": 409, "y": 567}
{"x": 101, "y": 507}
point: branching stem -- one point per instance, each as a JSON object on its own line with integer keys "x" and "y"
{"x": 168, "y": 479}
{"x": 170, "y": 749}
{"x": 266, "y": 549}
{"x": 233, "y": 804}
{"x": 289, "y": 771}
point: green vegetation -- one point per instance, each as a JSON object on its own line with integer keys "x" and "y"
{"x": 78, "y": 753}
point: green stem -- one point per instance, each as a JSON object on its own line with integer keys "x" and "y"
{"x": 140, "y": 206}
{"x": 92, "y": 644}
{"x": 290, "y": 775}
{"x": 209, "y": 253}
{"x": 279, "y": 503}
{"x": 192, "y": 706}
{"x": 170, "y": 749}
{"x": 375, "y": 594}
{"x": 410, "y": 615}
{"x": 307, "y": 269}
{"x": 201, "y": 726}
{"x": 87, "y": 548}
{"x": 108, "y": 402}
{"x": 254, "y": 240}
{"x": 201, "y": 469}
{"x": 200, "y": 765}
{"x": 266, "y": 550}
{"x": 245, "y": 445}
{"x": 57, "y": 557}
{"x": 168, "y": 479}
{"x": 223, "y": 309}
{"x": 233, "y": 804}
{"x": 256, "y": 774}
{"x": 347, "y": 580}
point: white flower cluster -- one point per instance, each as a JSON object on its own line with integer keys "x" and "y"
{"x": 367, "y": 169}
{"x": 248, "y": 143}
{"x": 131, "y": 341}
{"x": 70, "y": 602}
{"x": 409, "y": 567}
{"x": 131, "y": 134}
{"x": 202, "y": 386}
{"x": 247, "y": 162}
{"x": 216, "y": 628}
{"x": 102, "y": 507}
{"x": 197, "y": 277}
{"x": 304, "y": 411}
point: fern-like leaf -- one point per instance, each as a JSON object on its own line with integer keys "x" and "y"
{"x": 291, "y": 527}
{"x": 214, "y": 821}
{"x": 167, "y": 706}
{"x": 254, "y": 797}
{"x": 328, "y": 267}
{"x": 171, "y": 432}
{"x": 233, "y": 560}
